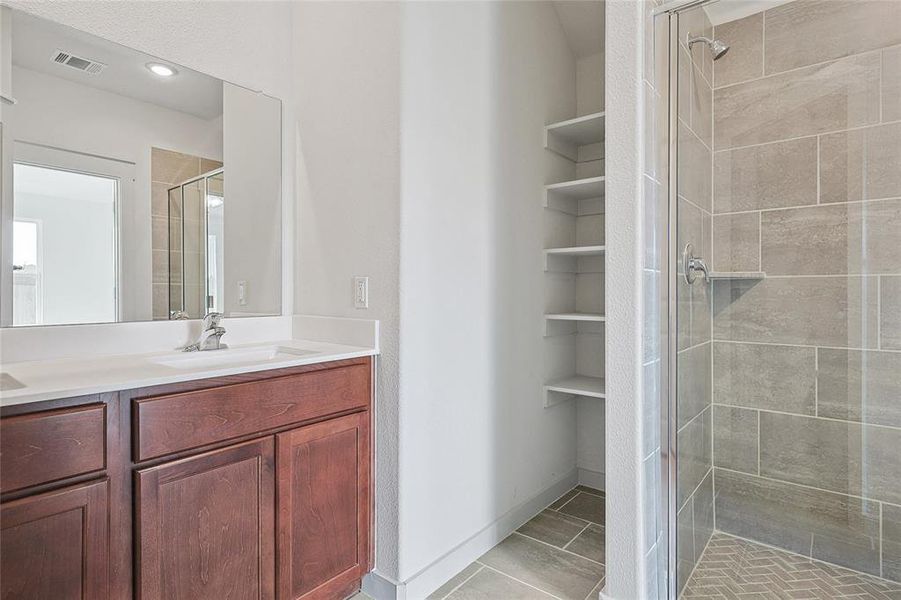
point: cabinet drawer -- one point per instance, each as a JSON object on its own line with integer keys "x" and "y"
{"x": 177, "y": 422}
{"x": 48, "y": 446}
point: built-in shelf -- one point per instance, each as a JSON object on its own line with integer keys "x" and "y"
{"x": 748, "y": 275}
{"x": 566, "y": 137}
{"x": 576, "y": 251}
{"x": 580, "y": 385}
{"x": 575, "y": 316}
{"x": 565, "y": 196}
{"x": 568, "y": 259}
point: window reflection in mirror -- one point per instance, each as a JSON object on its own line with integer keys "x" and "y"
{"x": 119, "y": 206}
{"x": 64, "y": 246}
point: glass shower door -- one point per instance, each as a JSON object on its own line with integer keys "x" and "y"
{"x": 197, "y": 246}
{"x": 787, "y": 262}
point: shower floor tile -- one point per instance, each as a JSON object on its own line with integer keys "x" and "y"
{"x": 558, "y": 554}
{"x": 734, "y": 568}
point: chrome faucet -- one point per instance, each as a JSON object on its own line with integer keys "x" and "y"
{"x": 210, "y": 335}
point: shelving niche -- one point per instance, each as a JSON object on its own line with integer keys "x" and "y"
{"x": 574, "y": 262}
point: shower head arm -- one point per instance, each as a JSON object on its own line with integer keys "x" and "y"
{"x": 693, "y": 40}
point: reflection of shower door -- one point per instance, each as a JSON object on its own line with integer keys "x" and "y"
{"x": 196, "y": 210}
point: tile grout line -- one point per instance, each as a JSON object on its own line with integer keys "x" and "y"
{"x": 806, "y": 558}
{"x": 807, "y": 135}
{"x": 836, "y": 204}
{"x": 599, "y": 583}
{"x": 822, "y": 63}
{"x": 695, "y": 490}
{"x": 791, "y": 414}
{"x": 816, "y": 381}
{"x": 822, "y": 346}
{"x": 462, "y": 583}
{"x": 758, "y": 442}
{"x": 584, "y": 529}
{"x": 529, "y": 537}
{"x": 489, "y": 567}
{"x": 805, "y": 486}
{"x": 819, "y": 197}
{"x": 879, "y": 312}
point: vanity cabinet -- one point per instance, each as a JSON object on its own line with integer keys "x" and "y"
{"x": 247, "y": 486}
{"x": 206, "y": 525}
{"x": 323, "y": 520}
{"x": 56, "y": 544}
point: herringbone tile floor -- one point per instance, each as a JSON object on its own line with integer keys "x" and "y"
{"x": 732, "y": 568}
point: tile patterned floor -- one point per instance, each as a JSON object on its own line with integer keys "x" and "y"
{"x": 558, "y": 554}
{"x": 733, "y": 568}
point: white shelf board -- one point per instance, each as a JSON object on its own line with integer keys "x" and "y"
{"x": 566, "y": 195}
{"x": 723, "y": 275}
{"x": 566, "y": 137}
{"x": 580, "y": 385}
{"x": 576, "y": 251}
{"x": 577, "y": 189}
{"x": 596, "y": 317}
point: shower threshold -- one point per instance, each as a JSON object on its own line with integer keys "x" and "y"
{"x": 732, "y": 567}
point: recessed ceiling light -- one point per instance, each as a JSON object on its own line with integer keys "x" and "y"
{"x": 161, "y": 69}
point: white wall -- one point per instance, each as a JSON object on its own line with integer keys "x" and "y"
{"x": 119, "y": 128}
{"x": 423, "y": 122}
{"x": 591, "y": 426}
{"x": 252, "y": 204}
{"x": 480, "y": 80}
{"x": 628, "y": 574}
{"x": 590, "y": 84}
{"x": 347, "y": 59}
{"x": 245, "y": 42}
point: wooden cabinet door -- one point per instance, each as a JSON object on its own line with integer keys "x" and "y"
{"x": 323, "y": 508}
{"x": 206, "y": 526}
{"x": 55, "y": 546}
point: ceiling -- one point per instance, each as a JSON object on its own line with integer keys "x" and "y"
{"x": 35, "y": 42}
{"x": 583, "y": 24}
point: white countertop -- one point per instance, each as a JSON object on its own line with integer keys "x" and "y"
{"x": 34, "y": 381}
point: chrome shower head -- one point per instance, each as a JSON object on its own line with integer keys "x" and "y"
{"x": 717, "y": 47}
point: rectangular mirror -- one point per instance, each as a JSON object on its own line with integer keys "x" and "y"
{"x": 133, "y": 188}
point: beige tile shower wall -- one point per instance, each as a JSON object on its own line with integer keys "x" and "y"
{"x": 807, "y": 362}
{"x": 167, "y": 169}
{"x": 694, "y": 475}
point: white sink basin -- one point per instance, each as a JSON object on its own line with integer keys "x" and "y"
{"x": 229, "y": 357}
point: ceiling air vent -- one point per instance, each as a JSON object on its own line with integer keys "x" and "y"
{"x": 76, "y": 62}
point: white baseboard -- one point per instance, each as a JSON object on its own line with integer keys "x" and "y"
{"x": 429, "y": 579}
{"x": 592, "y": 479}
{"x": 380, "y": 587}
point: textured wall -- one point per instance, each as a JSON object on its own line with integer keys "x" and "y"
{"x": 629, "y": 534}
{"x": 347, "y": 77}
{"x": 807, "y": 181}
{"x": 477, "y": 439}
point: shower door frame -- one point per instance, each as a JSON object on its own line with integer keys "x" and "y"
{"x": 667, "y": 15}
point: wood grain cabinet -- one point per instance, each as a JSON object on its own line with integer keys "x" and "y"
{"x": 206, "y": 526}
{"x": 252, "y": 486}
{"x": 323, "y": 502}
{"x": 56, "y": 545}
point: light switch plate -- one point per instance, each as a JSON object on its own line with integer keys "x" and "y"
{"x": 242, "y": 293}
{"x": 361, "y": 292}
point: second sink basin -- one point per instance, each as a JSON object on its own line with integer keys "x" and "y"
{"x": 228, "y": 357}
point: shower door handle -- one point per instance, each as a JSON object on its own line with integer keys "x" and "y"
{"x": 692, "y": 264}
